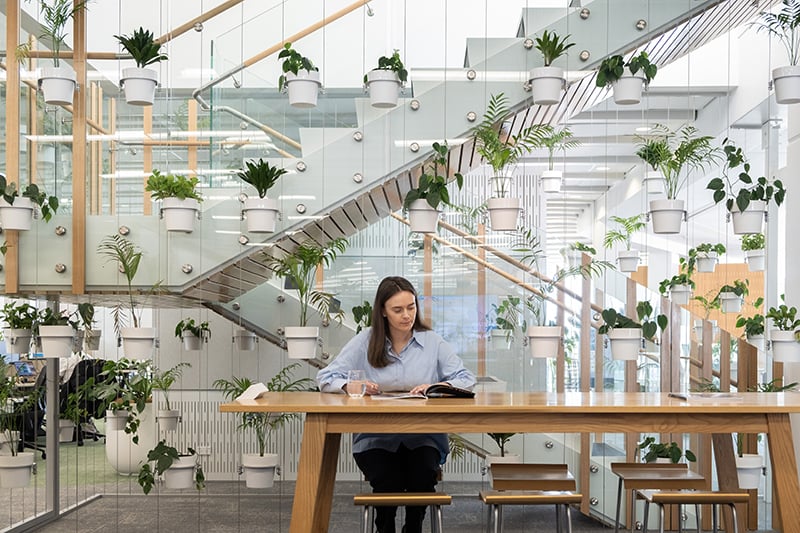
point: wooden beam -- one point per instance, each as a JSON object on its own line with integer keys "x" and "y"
{"x": 208, "y": 15}
{"x": 482, "y": 304}
{"x": 12, "y": 141}
{"x": 79, "y": 175}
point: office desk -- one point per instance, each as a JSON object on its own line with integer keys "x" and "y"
{"x": 330, "y": 415}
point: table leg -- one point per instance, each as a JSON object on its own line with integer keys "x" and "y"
{"x": 727, "y": 478}
{"x": 313, "y": 494}
{"x": 784, "y": 470}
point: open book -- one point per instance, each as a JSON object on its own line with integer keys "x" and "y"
{"x": 437, "y": 390}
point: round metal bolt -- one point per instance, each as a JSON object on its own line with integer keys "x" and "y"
{"x": 549, "y": 445}
{"x": 414, "y": 147}
{"x": 61, "y": 231}
{"x": 280, "y": 330}
{"x": 325, "y": 356}
{"x": 637, "y": 525}
{"x": 594, "y": 469}
{"x": 198, "y": 26}
{"x": 281, "y": 298}
{"x": 593, "y": 501}
{"x": 236, "y": 306}
{"x": 527, "y": 43}
{"x": 187, "y": 268}
{"x": 300, "y": 166}
{"x": 243, "y": 125}
{"x": 319, "y": 342}
{"x": 472, "y": 116}
{"x": 358, "y": 136}
{"x": 243, "y": 239}
{"x": 585, "y": 12}
{"x": 585, "y": 55}
{"x": 301, "y": 208}
{"x": 414, "y": 104}
{"x": 527, "y": 86}
{"x": 242, "y": 197}
{"x": 596, "y": 316}
{"x": 641, "y": 24}
{"x": 124, "y": 231}
{"x": 61, "y": 268}
{"x": 357, "y": 177}
{"x": 471, "y": 74}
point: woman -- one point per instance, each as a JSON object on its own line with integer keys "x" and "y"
{"x": 398, "y": 353}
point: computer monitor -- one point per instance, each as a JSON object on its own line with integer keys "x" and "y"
{"x": 25, "y": 369}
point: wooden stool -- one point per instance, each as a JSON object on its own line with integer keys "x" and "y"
{"x": 712, "y": 498}
{"x": 658, "y": 476}
{"x": 396, "y": 499}
{"x": 496, "y": 499}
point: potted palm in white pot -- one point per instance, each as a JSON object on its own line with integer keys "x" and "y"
{"x": 261, "y": 213}
{"x": 162, "y": 381}
{"x": 558, "y": 140}
{"x": 300, "y": 78}
{"x": 299, "y": 268}
{"x": 675, "y": 154}
{"x": 180, "y": 201}
{"x": 753, "y": 245}
{"x": 501, "y": 152}
{"x": 785, "y": 338}
{"x": 627, "y": 79}
{"x": 385, "y": 81}
{"x": 58, "y": 82}
{"x": 548, "y": 81}
{"x": 628, "y": 259}
{"x": 784, "y": 27}
{"x": 140, "y": 82}
{"x": 626, "y": 334}
{"x": 422, "y": 202}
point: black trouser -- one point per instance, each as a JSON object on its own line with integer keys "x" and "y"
{"x": 401, "y": 471}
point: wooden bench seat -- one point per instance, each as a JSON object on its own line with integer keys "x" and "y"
{"x": 692, "y": 497}
{"x": 531, "y": 476}
{"x": 434, "y": 500}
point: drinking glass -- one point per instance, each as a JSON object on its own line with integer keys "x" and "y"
{"x": 356, "y": 383}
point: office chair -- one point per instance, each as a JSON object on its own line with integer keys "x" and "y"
{"x": 31, "y": 415}
{"x": 84, "y": 371}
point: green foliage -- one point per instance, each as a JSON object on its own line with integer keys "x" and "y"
{"x": 784, "y": 26}
{"x": 678, "y": 279}
{"x": 172, "y": 186}
{"x": 784, "y": 317}
{"x": 670, "y": 152}
{"x": 126, "y": 385}
{"x": 744, "y": 189}
{"x": 362, "y": 314}
{"x": 54, "y": 21}
{"x": 300, "y": 267}
{"x": 612, "y": 69}
{"x": 162, "y": 457}
{"x": 558, "y": 140}
{"x": 642, "y": 63}
{"x": 86, "y": 315}
{"x": 198, "y": 330}
{"x": 142, "y": 46}
{"x": 19, "y": 315}
{"x": 15, "y": 402}
{"x": 644, "y": 310}
{"x": 753, "y": 241}
{"x": 753, "y": 325}
{"x": 707, "y": 247}
{"x": 48, "y": 205}
{"x": 739, "y": 288}
{"x": 261, "y": 175}
{"x": 627, "y": 227}
{"x": 653, "y": 450}
{"x": 774, "y": 386}
{"x": 708, "y": 303}
{"x": 552, "y": 46}
{"x": 507, "y": 316}
{"x": 164, "y": 379}
{"x": 293, "y": 62}
{"x": 263, "y": 423}
{"x": 578, "y": 246}
{"x": 432, "y": 186}
{"x": 501, "y": 439}
{"x": 393, "y": 63}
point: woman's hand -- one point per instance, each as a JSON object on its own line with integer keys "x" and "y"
{"x": 372, "y": 388}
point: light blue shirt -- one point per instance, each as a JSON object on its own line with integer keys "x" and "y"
{"x": 427, "y": 358}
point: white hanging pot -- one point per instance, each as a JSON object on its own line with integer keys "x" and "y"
{"x": 245, "y": 340}
{"x": 653, "y": 181}
{"x": 91, "y": 339}
{"x": 785, "y": 348}
{"x": 180, "y": 474}
{"x": 16, "y": 470}
{"x": 551, "y": 181}
{"x": 168, "y": 419}
{"x": 17, "y": 340}
{"x": 628, "y": 260}
{"x": 259, "y": 471}
{"x": 507, "y": 458}
{"x": 179, "y": 215}
{"x": 138, "y": 343}
{"x": 303, "y": 88}
{"x": 757, "y": 341}
{"x": 547, "y": 83}
{"x": 503, "y": 213}
{"x": 749, "y": 221}
{"x": 191, "y": 342}
{"x": 749, "y": 467}
{"x": 57, "y": 85}
{"x": 706, "y": 261}
{"x": 786, "y": 81}
{"x": 57, "y": 341}
{"x": 18, "y": 216}
{"x": 422, "y": 217}
{"x": 139, "y": 85}
{"x": 544, "y": 341}
{"x": 301, "y": 342}
{"x": 261, "y": 214}
{"x": 66, "y": 430}
{"x": 730, "y": 302}
{"x": 384, "y": 88}
{"x": 667, "y": 216}
{"x": 680, "y": 294}
{"x": 756, "y": 260}
{"x": 574, "y": 258}
{"x": 115, "y": 420}
{"x": 628, "y": 89}
{"x": 625, "y": 343}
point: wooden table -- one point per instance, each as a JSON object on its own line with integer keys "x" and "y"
{"x": 330, "y": 415}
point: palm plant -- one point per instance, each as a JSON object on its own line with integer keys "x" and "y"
{"x": 628, "y": 226}
{"x": 142, "y": 47}
{"x": 785, "y": 26}
{"x": 54, "y": 22}
{"x": 164, "y": 379}
{"x": 552, "y": 46}
{"x": 557, "y": 141}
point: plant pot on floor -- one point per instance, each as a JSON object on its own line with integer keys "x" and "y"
{"x": 301, "y": 342}
{"x": 384, "y": 88}
{"x": 786, "y": 81}
{"x": 730, "y": 302}
{"x": 680, "y": 294}
{"x": 261, "y": 214}
{"x": 139, "y": 85}
{"x": 66, "y": 430}
{"x": 191, "y": 342}
{"x": 259, "y": 471}
{"x": 706, "y": 261}
{"x": 756, "y": 260}
{"x": 17, "y": 216}
{"x": 422, "y": 217}
{"x": 245, "y": 340}
{"x": 122, "y": 454}
{"x": 628, "y": 260}
{"x": 57, "y": 341}
{"x": 749, "y": 221}
{"x": 749, "y": 467}
{"x": 551, "y": 181}
{"x": 16, "y": 470}
{"x": 303, "y": 88}
{"x": 667, "y": 216}
{"x": 628, "y": 89}
{"x": 168, "y": 419}
{"x": 625, "y": 343}
{"x": 547, "y": 84}
{"x": 17, "y": 340}
{"x": 503, "y": 213}
{"x": 544, "y": 341}
{"x": 180, "y": 475}
{"x": 138, "y": 343}
{"x": 57, "y": 85}
{"x": 785, "y": 348}
{"x": 116, "y": 420}
{"x": 179, "y": 215}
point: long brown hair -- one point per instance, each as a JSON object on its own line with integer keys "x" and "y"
{"x": 376, "y": 351}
